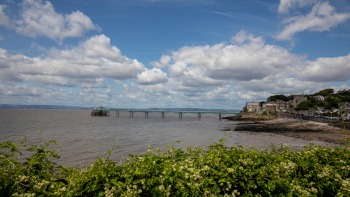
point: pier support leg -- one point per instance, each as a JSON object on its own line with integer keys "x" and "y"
{"x": 163, "y": 114}
{"x": 220, "y": 116}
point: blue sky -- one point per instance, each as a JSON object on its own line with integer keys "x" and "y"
{"x": 170, "y": 53}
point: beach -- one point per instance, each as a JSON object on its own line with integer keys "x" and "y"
{"x": 298, "y": 128}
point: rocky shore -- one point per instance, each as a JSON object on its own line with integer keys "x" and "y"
{"x": 308, "y": 130}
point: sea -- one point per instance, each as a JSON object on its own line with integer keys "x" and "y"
{"x": 82, "y": 138}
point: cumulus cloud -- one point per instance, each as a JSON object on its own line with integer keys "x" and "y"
{"x": 252, "y": 59}
{"x": 206, "y": 75}
{"x": 328, "y": 69}
{"x": 243, "y": 37}
{"x": 39, "y": 18}
{"x": 92, "y": 59}
{"x": 322, "y": 17}
{"x": 178, "y": 68}
{"x": 163, "y": 61}
{"x": 247, "y": 69}
{"x": 151, "y": 77}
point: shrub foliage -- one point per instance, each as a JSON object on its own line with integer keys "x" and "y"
{"x": 216, "y": 170}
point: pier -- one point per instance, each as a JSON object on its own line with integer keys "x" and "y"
{"x": 162, "y": 113}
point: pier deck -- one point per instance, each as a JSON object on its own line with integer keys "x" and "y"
{"x": 180, "y": 113}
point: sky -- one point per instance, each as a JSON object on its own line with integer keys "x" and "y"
{"x": 215, "y": 54}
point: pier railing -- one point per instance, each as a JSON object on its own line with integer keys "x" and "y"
{"x": 180, "y": 113}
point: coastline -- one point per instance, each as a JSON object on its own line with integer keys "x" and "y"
{"x": 298, "y": 128}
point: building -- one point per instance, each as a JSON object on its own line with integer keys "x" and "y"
{"x": 298, "y": 99}
{"x": 345, "y": 107}
{"x": 276, "y": 106}
{"x": 253, "y": 106}
{"x": 318, "y": 98}
{"x": 282, "y": 106}
{"x": 269, "y": 106}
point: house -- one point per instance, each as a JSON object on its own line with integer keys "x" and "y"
{"x": 275, "y": 106}
{"x": 269, "y": 106}
{"x": 282, "y": 106}
{"x": 318, "y": 98}
{"x": 253, "y": 106}
{"x": 298, "y": 99}
{"x": 345, "y": 107}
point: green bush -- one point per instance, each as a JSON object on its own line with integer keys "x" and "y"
{"x": 216, "y": 170}
{"x": 305, "y": 105}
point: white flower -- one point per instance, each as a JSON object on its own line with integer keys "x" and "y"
{"x": 206, "y": 168}
{"x": 187, "y": 175}
{"x": 161, "y": 187}
{"x": 230, "y": 170}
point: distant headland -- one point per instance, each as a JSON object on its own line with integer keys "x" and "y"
{"x": 14, "y": 106}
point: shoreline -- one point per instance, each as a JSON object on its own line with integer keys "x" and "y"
{"x": 298, "y": 128}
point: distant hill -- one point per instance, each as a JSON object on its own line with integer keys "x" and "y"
{"x": 9, "y": 106}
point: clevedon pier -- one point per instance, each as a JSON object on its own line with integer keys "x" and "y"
{"x": 181, "y": 114}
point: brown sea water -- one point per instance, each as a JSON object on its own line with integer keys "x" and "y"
{"x": 81, "y": 138}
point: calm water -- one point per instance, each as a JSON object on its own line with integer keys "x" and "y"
{"x": 82, "y": 138}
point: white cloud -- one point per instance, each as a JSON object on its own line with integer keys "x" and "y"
{"x": 39, "y": 18}
{"x": 234, "y": 73}
{"x": 247, "y": 70}
{"x": 178, "y": 68}
{"x": 243, "y": 37}
{"x": 328, "y": 69}
{"x": 250, "y": 60}
{"x": 19, "y": 90}
{"x": 286, "y": 5}
{"x": 92, "y": 59}
{"x": 281, "y": 84}
{"x": 322, "y": 17}
{"x": 151, "y": 77}
{"x": 4, "y": 19}
{"x": 218, "y": 75}
{"x": 28, "y": 94}
{"x": 163, "y": 61}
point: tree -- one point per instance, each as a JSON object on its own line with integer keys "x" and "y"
{"x": 325, "y": 92}
{"x": 304, "y": 105}
{"x": 344, "y": 95}
{"x": 344, "y": 92}
{"x": 278, "y": 97}
{"x": 332, "y": 102}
